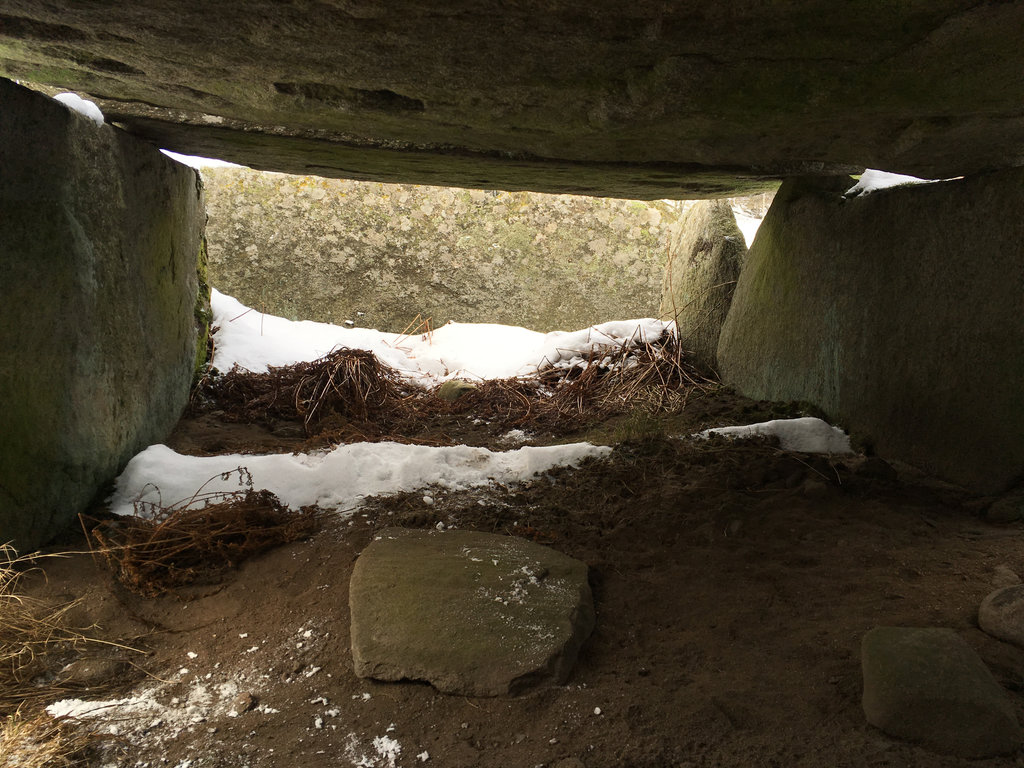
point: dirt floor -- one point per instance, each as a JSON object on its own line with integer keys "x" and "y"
{"x": 733, "y": 583}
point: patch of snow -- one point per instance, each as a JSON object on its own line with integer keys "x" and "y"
{"x": 872, "y": 181}
{"x": 338, "y": 479}
{"x": 82, "y": 106}
{"x": 144, "y": 713}
{"x": 514, "y": 437}
{"x": 806, "y": 435}
{"x": 195, "y": 161}
{"x": 254, "y": 340}
{"x": 748, "y": 224}
{"x": 387, "y": 751}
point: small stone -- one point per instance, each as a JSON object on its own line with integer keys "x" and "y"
{"x": 454, "y": 389}
{"x": 92, "y": 672}
{"x": 1004, "y": 576}
{"x": 876, "y": 468}
{"x": 926, "y": 685}
{"x": 1002, "y": 614}
{"x": 1008, "y": 509}
{"x": 813, "y": 488}
{"x": 473, "y": 614}
{"x": 243, "y": 702}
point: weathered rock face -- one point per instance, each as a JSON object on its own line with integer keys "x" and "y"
{"x": 899, "y": 313}
{"x": 1001, "y": 614}
{"x": 471, "y": 613}
{"x": 928, "y": 686}
{"x": 381, "y": 254}
{"x": 703, "y": 266}
{"x": 99, "y": 238}
{"x": 644, "y": 99}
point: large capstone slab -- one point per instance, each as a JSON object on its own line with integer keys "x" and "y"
{"x": 925, "y": 684}
{"x": 643, "y": 99}
{"x": 471, "y": 613}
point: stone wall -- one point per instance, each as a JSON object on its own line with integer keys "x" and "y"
{"x": 383, "y": 254}
{"x": 99, "y": 237}
{"x": 899, "y": 313}
{"x": 704, "y": 263}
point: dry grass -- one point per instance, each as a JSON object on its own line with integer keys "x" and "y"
{"x": 656, "y": 376}
{"x": 43, "y": 741}
{"x": 196, "y": 540}
{"x": 33, "y": 639}
{"x": 35, "y": 644}
{"x": 347, "y": 383}
{"x": 349, "y": 395}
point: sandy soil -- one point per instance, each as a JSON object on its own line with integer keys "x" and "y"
{"x": 733, "y": 583}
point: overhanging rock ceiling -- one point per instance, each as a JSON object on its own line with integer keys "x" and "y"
{"x": 643, "y": 99}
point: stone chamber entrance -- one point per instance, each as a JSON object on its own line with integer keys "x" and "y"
{"x": 378, "y": 556}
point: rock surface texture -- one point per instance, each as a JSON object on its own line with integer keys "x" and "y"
{"x": 900, "y": 314}
{"x": 704, "y": 263}
{"x": 1002, "y": 614}
{"x": 99, "y": 240}
{"x": 382, "y": 254}
{"x": 471, "y": 613}
{"x": 644, "y": 99}
{"x": 928, "y": 686}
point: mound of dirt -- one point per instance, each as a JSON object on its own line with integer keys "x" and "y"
{"x": 732, "y": 581}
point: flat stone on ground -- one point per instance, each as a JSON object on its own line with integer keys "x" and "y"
{"x": 926, "y": 685}
{"x": 471, "y": 613}
{"x": 1002, "y": 614}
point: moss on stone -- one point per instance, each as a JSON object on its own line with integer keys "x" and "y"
{"x": 202, "y": 312}
{"x": 326, "y": 250}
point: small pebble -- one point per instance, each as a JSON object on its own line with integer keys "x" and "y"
{"x": 243, "y": 702}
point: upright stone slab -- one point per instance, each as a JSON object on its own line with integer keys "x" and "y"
{"x": 387, "y": 255}
{"x": 704, "y": 263}
{"x": 925, "y": 684}
{"x": 899, "y": 313}
{"x": 471, "y": 613}
{"x": 99, "y": 238}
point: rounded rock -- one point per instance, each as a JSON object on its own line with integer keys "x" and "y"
{"x": 1001, "y": 614}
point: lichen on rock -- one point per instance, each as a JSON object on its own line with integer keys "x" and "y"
{"x": 390, "y": 256}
